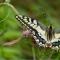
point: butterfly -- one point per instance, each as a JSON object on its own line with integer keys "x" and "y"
{"x": 44, "y": 37}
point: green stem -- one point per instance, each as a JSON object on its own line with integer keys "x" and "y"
{"x": 33, "y": 51}
{"x": 10, "y": 5}
{"x": 7, "y": 1}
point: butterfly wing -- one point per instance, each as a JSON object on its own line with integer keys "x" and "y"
{"x": 33, "y": 25}
{"x": 55, "y": 43}
{"x": 57, "y": 35}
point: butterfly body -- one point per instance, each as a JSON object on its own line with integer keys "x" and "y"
{"x": 44, "y": 38}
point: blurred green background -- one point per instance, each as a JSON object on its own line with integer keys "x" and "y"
{"x": 45, "y": 11}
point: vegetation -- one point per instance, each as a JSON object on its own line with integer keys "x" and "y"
{"x": 13, "y": 45}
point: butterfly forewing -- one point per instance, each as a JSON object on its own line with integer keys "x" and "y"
{"x": 55, "y": 43}
{"x": 57, "y": 35}
{"x": 37, "y": 31}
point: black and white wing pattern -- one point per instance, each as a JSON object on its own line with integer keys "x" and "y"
{"x": 57, "y": 35}
{"x": 56, "y": 41}
{"x": 39, "y": 34}
{"x": 33, "y": 25}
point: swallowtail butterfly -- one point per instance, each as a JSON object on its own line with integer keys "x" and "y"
{"x": 43, "y": 38}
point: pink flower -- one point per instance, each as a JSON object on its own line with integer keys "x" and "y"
{"x": 26, "y": 33}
